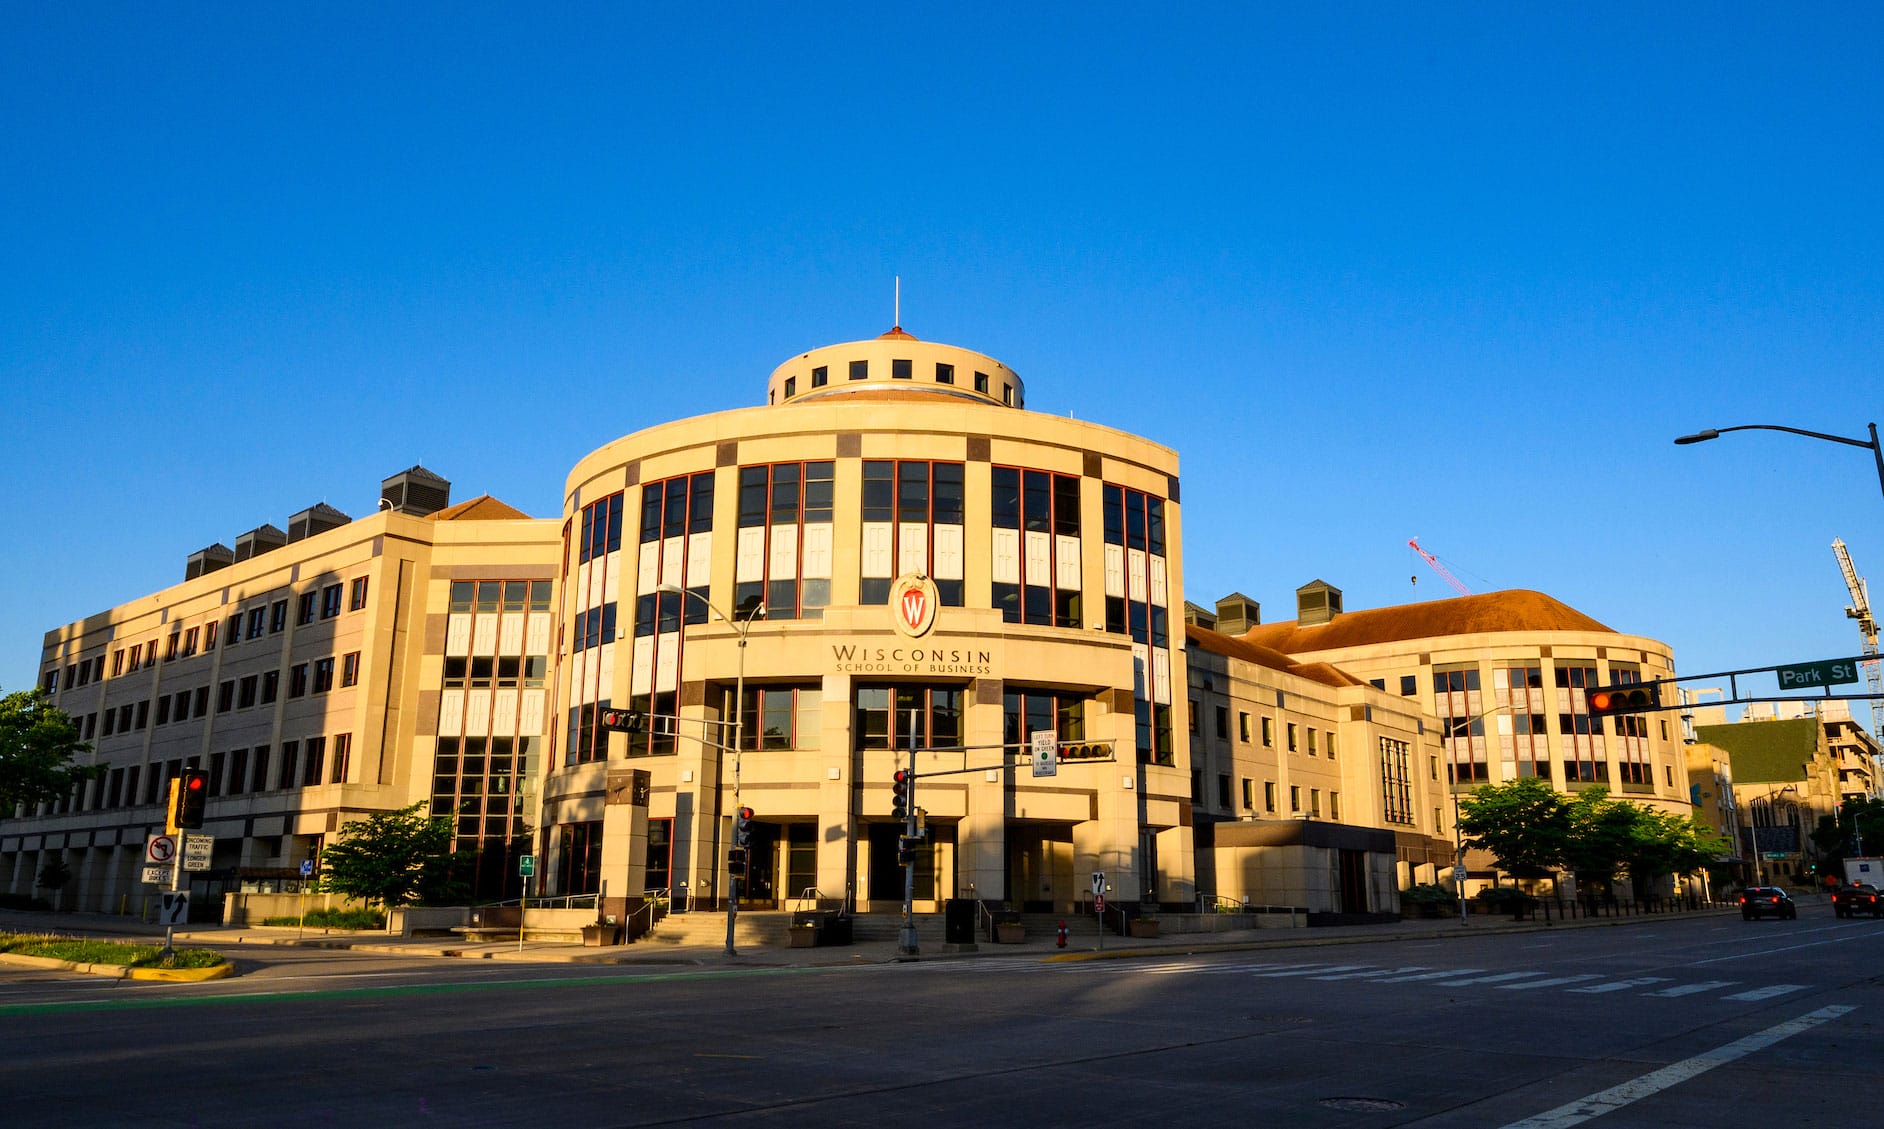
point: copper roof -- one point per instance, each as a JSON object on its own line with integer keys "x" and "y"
{"x": 1518, "y": 609}
{"x": 1230, "y": 646}
{"x": 896, "y": 334}
{"x": 481, "y": 508}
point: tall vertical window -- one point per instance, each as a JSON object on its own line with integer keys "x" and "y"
{"x": 1396, "y": 782}
{"x": 1137, "y": 599}
{"x": 912, "y": 522}
{"x": 1630, "y": 746}
{"x": 356, "y": 594}
{"x": 1581, "y": 735}
{"x": 675, "y": 542}
{"x": 1460, "y": 707}
{"x": 784, "y": 547}
{"x": 1036, "y": 568}
{"x": 1523, "y": 735}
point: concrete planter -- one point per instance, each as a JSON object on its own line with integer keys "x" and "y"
{"x": 1142, "y": 927}
{"x": 1009, "y": 934}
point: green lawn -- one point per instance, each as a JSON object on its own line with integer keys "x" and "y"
{"x": 101, "y": 952}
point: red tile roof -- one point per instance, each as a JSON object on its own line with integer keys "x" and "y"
{"x": 1515, "y": 610}
{"x": 1230, "y": 646}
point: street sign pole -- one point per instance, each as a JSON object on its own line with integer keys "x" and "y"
{"x": 1099, "y": 905}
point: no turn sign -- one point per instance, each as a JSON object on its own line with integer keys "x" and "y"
{"x": 160, "y": 850}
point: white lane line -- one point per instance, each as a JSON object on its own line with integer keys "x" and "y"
{"x": 1239, "y": 969}
{"x": 1619, "y": 985}
{"x": 1315, "y": 968}
{"x": 1375, "y": 974}
{"x": 1691, "y": 989}
{"x": 1767, "y": 992}
{"x": 1431, "y": 975}
{"x": 1614, "y": 1098}
{"x": 1553, "y": 982}
{"x": 1496, "y": 978}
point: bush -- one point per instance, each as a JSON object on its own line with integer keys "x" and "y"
{"x": 1427, "y": 894}
{"x": 1506, "y": 899}
{"x": 335, "y": 919}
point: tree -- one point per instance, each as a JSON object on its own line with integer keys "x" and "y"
{"x": 1664, "y": 843}
{"x": 38, "y": 742}
{"x": 1857, "y": 830}
{"x": 393, "y": 858}
{"x": 1603, "y": 833}
{"x": 1525, "y": 825}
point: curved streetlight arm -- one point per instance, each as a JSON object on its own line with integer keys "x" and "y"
{"x": 1877, "y": 452}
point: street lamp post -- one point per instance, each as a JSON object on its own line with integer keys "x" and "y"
{"x": 1877, "y": 452}
{"x": 740, "y": 626}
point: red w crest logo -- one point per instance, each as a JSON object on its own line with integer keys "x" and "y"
{"x": 913, "y": 607}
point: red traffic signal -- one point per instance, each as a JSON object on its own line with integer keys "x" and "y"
{"x": 622, "y": 721}
{"x": 192, "y": 797}
{"x": 899, "y": 793}
{"x": 1633, "y": 697}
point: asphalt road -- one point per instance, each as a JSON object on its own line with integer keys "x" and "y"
{"x": 1685, "y": 1022}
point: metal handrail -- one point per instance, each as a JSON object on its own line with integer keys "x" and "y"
{"x": 981, "y": 911}
{"x": 812, "y": 895}
{"x": 567, "y": 901}
{"x": 1218, "y": 903}
{"x": 652, "y": 900}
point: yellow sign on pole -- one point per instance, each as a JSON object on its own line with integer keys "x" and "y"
{"x": 171, "y": 827}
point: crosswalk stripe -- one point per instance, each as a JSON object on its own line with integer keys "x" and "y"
{"x": 1431, "y": 975}
{"x": 1691, "y": 989}
{"x": 1553, "y": 982}
{"x": 1767, "y": 992}
{"x": 1371, "y": 974}
{"x": 1492, "y": 979}
{"x": 1314, "y": 968}
{"x": 1619, "y": 985}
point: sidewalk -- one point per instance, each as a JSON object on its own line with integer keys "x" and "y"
{"x": 1082, "y": 945}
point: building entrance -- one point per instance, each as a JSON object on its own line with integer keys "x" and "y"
{"x": 760, "y": 889}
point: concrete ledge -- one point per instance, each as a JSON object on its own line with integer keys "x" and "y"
{"x": 123, "y": 972}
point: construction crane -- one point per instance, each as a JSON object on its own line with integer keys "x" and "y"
{"x": 1860, "y": 610}
{"x": 1454, "y": 581}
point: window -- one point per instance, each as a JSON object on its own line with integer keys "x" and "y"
{"x": 1223, "y": 790}
{"x": 304, "y": 610}
{"x": 297, "y": 681}
{"x": 1196, "y": 717}
{"x": 1396, "y": 782}
{"x": 944, "y": 373}
{"x": 791, "y": 387}
{"x": 1269, "y": 732}
{"x": 271, "y": 685}
{"x": 143, "y": 714}
{"x": 884, "y": 712}
{"x": 1314, "y": 802}
{"x": 290, "y": 752}
{"x": 912, "y": 522}
{"x": 323, "y": 675}
{"x": 1026, "y": 711}
{"x": 1409, "y": 685}
{"x": 170, "y": 648}
{"x": 313, "y": 761}
{"x": 238, "y": 778}
{"x": 350, "y": 669}
{"x": 258, "y": 622}
{"x": 902, "y": 370}
{"x": 200, "y": 701}
{"x": 1223, "y": 722}
{"x": 117, "y": 665}
{"x": 1036, "y": 547}
{"x": 258, "y": 771}
{"x": 356, "y": 594}
{"x": 163, "y": 710}
{"x": 225, "y": 696}
{"x": 330, "y": 600}
{"x": 820, "y": 376}
{"x": 1249, "y": 794}
{"x": 189, "y": 640}
{"x": 137, "y": 660}
{"x": 245, "y": 691}
{"x": 785, "y": 536}
{"x": 981, "y": 382}
{"x": 1334, "y": 805}
{"x": 1242, "y": 727}
{"x": 1295, "y": 798}
{"x": 278, "y": 617}
{"x": 1269, "y": 795}
{"x": 343, "y": 754}
{"x": 210, "y": 631}
{"x": 780, "y": 717}
{"x": 860, "y": 370}
{"x": 1292, "y": 737}
{"x": 1312, "y": 742}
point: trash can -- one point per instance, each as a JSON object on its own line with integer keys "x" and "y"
{"x": 958, "y": 921}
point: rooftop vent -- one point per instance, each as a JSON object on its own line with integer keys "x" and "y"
{"x": 1199, "y": 617}
{"x": 1237, "y": 613}
{"x": 414, "y": 491}
{"x": 1316, "y": 603}
{"x": 214, "y": 557}
{"x": 317, "y": 518}
{"x": 258, "y": 541}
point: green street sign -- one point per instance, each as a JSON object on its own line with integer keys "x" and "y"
{"x": 526, "y": 865}
{"x": 1807, "y": 676}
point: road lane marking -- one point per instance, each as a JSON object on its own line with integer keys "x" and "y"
{"x": 1431, "y": 975}
{"x": 1767, "y": 992}
{"x": 1654, "y": 1082}
{"x": 1691, "y": 989}
{"x": 1553, "y": 982}
{"x": 1378, "y": 972}
{"x": 1619, "y": 985}
{"x": 1315, "y": 968}
{"x": 1495, "y": 978}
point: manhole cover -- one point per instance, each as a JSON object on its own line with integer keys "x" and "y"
{"x": 1363, "y": 1105}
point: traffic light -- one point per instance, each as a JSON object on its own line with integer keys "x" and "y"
{"x": 623, "y": 721}
{"x": 736, "y": 862}
{"x": 1085, "y": 750}
{"x": 1633, "y": 697}
{"x": 742, "y": 827}
{"x": 906, "y": 849}
{"x": 899, "y": 794}
{"x": 192, "y": 794}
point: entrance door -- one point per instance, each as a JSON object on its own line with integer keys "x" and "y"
{"x": 759, "y": 890}
{"x": 1354, "y": 882}
{"x": 801, "y": 858}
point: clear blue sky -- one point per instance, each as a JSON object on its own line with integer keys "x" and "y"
{"x": 1460, "y": 272}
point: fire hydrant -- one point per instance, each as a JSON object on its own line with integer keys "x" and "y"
{"x": 1060, "y": 942}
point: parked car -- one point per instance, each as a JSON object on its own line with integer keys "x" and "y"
{"x": 1856, "y": 898}
{"x": 1765, "y": 901}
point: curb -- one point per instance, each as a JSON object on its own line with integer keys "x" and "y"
{"x": 122, "y": 971}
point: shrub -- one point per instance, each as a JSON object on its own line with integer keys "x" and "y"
{"x": 1505, "y": 899}
{"x": 1427, "y": 894}
{"x": 335, "y": 919}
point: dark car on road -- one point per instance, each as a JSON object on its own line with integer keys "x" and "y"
{"x": 1856, "y": 898}
{"x": 1767, "y": 901}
